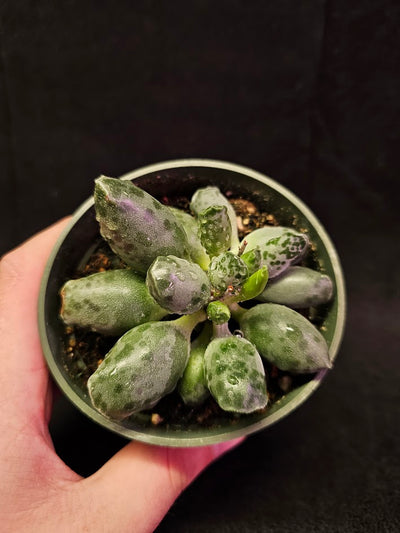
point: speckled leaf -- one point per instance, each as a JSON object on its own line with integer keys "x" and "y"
{"x": 281, "y": 252}
{"x": 144, "y": 365}
{"x": 285, "y": 338}
{"x": 299, "y": 287}
{"x": 137, "y": 227}
{"x": 259, "y": 237}
{"x": 209, "y": 196}
{"x": 280, "y": 247}
{"x": 215, "y": 229}
{"x": 227, "y": 270}
{"x": 191, "y": 227}
{"x": 109, "y": 302}
{"x": 178, "y": 285}
{"x": 235, "y": 375}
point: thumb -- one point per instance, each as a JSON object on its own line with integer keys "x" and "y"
{"x": 141, "y": 482}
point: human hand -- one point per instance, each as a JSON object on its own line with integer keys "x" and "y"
{"x": 38, "y": 492}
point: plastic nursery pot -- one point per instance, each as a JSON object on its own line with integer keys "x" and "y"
{"x": 182, "y": 178}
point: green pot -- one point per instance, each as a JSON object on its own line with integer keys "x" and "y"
{"x": 183, "y": 177}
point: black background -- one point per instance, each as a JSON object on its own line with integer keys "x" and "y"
{"x": 304, "y": 91}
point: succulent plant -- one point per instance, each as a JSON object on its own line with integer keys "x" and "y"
{"x": 195, "y": 266}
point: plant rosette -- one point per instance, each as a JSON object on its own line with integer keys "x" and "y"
{"x": 191, "y": 302}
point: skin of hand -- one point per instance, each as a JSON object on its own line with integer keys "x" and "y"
{"x": 38, "y": 491}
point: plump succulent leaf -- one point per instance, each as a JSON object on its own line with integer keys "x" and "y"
{"x": 235, "y": 375}
{"x": 191, "y": 227}
{"x": 137, "y": 227}
{"x": 143, "y": 366}
{"x": 178, "y": 285}
{"x": 209, "y": 196}
{"x": 259, "y": 237}
{"x": 193, "y": 385}
{"x": 285, "y": 338}
{"x": 215, "y": 229}
{"x": 226, "y": 270}
{"x": 110, "y": 302}
{"x": 280, "y": 252}
{"x": 299, "y": 287}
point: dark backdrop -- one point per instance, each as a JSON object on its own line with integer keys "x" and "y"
{"x": 304, "y": 91}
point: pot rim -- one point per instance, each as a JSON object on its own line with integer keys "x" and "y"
{"x": 212, "y": 437}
